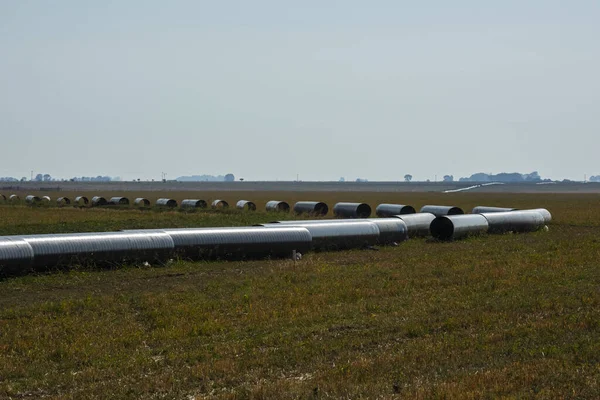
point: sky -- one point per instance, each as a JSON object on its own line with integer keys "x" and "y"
{"x": 270, "y": 90}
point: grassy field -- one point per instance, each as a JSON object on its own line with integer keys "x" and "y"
{"x": 494, "y": 316}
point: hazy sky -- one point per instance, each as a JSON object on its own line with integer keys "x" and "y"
{"x": 323, "y": 89}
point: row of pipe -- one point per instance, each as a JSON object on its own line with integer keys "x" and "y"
{"x": 20, "y": 254}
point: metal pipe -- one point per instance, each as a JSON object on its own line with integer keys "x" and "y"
{"x": 339, "y": 235}
{"x": 168, "y": 203}
{"x": 46, "y": 199}
{"x": 486, "y": 209}
{"x": 439, "y": 211}
{"x": 417, "y": 224}
{"x": 63, "y": 201}
{"x": 451, "y": 227}
{"x": 311, "y": 207}
{"x": 246, "y": 204}
{"x": 118, "y": 201}
{"x": 98, "y": 201}
{"x": 244, "y": 242}
{"x": 32, "y": 200}
{"x": 2, "y": 198}
{"x": 16, "y": 256}
{"x": 391, "y": 230}
{"x": 141, "y": 202}
{"x": 220, "y": 204}
{"x": 545, "y": 213}
{"x": 193, "y": 203}
{"x": 276, "y": 205}
{"x": 390, "y": 210}
{"x": 101, "y": 248}
{"x": 514, "y": 221}
{"x": 81, "y": 201}
{"x": 352, "y": 210}
{"x": 14, "y": 198}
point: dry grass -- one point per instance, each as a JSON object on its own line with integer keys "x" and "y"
{"x": 495, "y": 316}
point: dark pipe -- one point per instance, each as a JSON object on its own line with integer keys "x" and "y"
{"x": 439, "y": 211}
{"x": 193, "y": 203}
{"x": 417, "y": 224}
{"x": 220, "y": 204}
{"x": 452, "y": 227}
{"x": 311, "y": 207}
{"x": 352, "y": 210}
{"x": 280, "y": 206}
{"x": 168, "y": 203}
{"x": 98, "y": 201}
{"x": 389, "y": 210}
{"x": 243, "y": 204}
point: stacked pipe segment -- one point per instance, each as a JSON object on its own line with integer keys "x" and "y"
{"x": 451, "y": 227}
{"x": 417, "y": 224}
{"x": 352, "y": 210}
{"x": 514, "y": 221}
{"x": 389, "y": 210}
{"x": 439, "y": 211}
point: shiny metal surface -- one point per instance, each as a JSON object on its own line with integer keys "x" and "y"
{"x": 99, "y": 201}
{"x": 118, "y": 201}
{"x": 439, "y": 211}
{"x": 98, "y": 248}
{"x": 338, "y": 235}
{"x": 417, "y": 224}
{"x": 13, "y": 198}
{"x": 545, "y": 213}
{"x": 63, "y": 201}
{"x": 16, "y": 256}
{"x": 352, "y": 210}
{"x": 514, "y": 221}
{"x": 311, "y": 207}
{"x": 81, "y": 201}
{"x": 390, "y": 210}
{"x": 279, "y": 206}
{"x": 246, "y": 205}
{"x": 46, "y": 199}
{"x": 168, "y": 203}
{"x": 31, "y": 199}
{"x": 220, "y": 204}
{"x": 141, "y": 202}
{"x": 451, "y": 227}
{"x": 193, "y": 203}
{"x": 486, "y": 209}
{"x": 251, "y": 242}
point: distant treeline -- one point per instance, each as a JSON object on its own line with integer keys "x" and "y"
{"x": 206, "y": 178}
{"x": 504, "y": 177}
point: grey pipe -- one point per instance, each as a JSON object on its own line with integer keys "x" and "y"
{"x": 417, "y": 224}
{"x": 14, "y": 198}
{"x": 279, "y": 206}
{"x": 486, "y": 209}
{"x": 545, "y": 213}
{"x": 118, "y": 201}
{"x": 63, "y": 201}
{"x": 391, "y": 230}
{"x": 243, "y": 242}
{"x": 102, "y": 248}
{"x": 352, "y": 210}
{"x": 246, "y": 204}
{"x": 338, "y": 235}
{"x": 451, "y": 227}
{"x": 16, "y": 256}
{"x": 167, "y": 203}
{"x": 193, "y": 203}
{"x": 390, "y": 210}
{"x": 32, "y": 200}
{"x": 2, "y": 198}
{"x": 514, "y": 221}
{"x": 311, "y": 207}
{"x": 220, "y": 204}
{"x": 141, "y": 202}
{"x": 439, "y": 211}
{"x": 99, "y": 201}
{"x": 81, "y": 201}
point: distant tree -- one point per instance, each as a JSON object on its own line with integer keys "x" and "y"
{"x": 342, "y": 179}
{"x": 47, "y": 178}
{"x": 242, "y": 179}
{"x": 595, "y": 178}
{"x": 23, "y": 179}
{"x": 448, "y": 178}
{"x": 39, "y": 178}
{"x": 408, "y": 177}
{"x": 229, "y": 178}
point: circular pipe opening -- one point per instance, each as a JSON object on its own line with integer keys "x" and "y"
{"x": 321, "y": 209}
{"x": 442, "y": 228}
{"x": 363, "y": 211}
{"x": 455, "y": 211}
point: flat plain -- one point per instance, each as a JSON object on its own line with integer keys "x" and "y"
{"x": 511, "y": 316}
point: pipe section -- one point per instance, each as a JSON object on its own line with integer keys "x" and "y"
{"x": 417, "y": 224}
{"x": 545, "y": 213}
{"x": 16, "y": 256}
{"x": 98, "y": 201}
{"x": 311, "y": 207}
{"x": 141, "y": 202}
{"x": 193, "y": 203}
{"x": 63, "y": 201}
{"x": 440, "y": 211}
{"x": 278, "y": 206}
{"x": 118, "y": 201}
{"x": 81, "y": 201}
{"x": 390, "y": 210}
{"x": 451, "y": 227}
{"x": 514, "y": 221}
{"x": 486, "y": 209}
{"x": 352, "y": 210}
{"x": 220, "y": 204}
{"x": 166, "y": 203}
{"x": 246, "y": 205}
